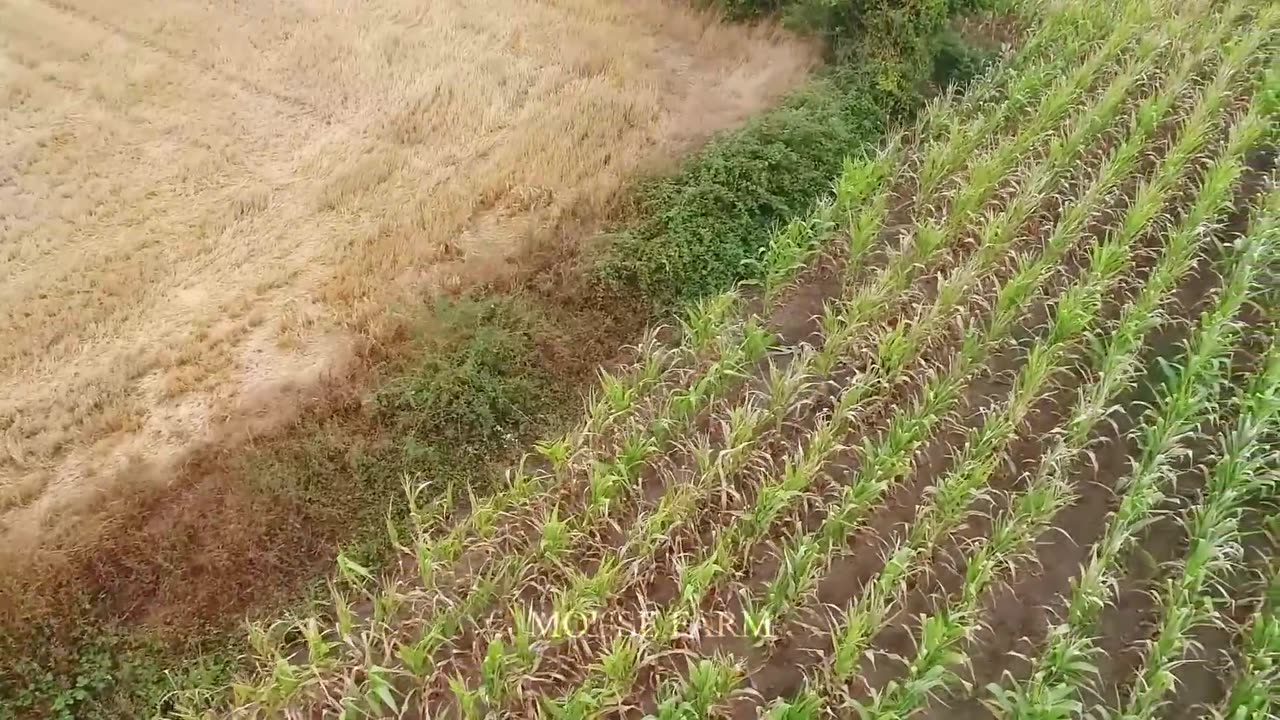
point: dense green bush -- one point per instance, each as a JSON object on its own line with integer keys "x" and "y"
{"x": 475, "y": 390}
{"x": 956, "y": 62}
{"x": 694, "y": 230}
{"x": 691, "y": 233}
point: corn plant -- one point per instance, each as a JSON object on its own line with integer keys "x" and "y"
{"x": 793, "y": 246}
{"x": 709, "y": 684}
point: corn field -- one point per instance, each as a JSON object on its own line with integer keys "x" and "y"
{"x": 996, "y": 434}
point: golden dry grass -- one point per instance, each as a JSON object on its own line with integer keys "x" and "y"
{"x": 201, "y": 203}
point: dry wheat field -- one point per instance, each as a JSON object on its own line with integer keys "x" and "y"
{"x": 204, "y": 205}
{"x": 996, "y": 435}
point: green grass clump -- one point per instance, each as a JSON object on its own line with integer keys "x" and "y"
{"x": 956, "y": 62}
{"x": 478, "y": 391}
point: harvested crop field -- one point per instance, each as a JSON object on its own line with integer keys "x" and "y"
{"x": 995, "y": 435}
{"x": 204, "y": 206}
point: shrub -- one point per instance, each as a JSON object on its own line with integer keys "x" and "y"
{"x": 694, "y": 230}
{"x": 690, "y": 234}
{"x": 956, "y": 62}
{"x": 479, "y": 388}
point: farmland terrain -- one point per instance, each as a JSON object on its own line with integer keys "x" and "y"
{"x": 993, "y": 432}
{"x": 205, "y": 208}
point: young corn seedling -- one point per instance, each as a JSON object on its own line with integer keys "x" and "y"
{"x": 807, "y": 705}
{"x": 861, "y": 196}
{"x": 707, "y": 320}
{"x": 620, "y": 666}
{"x": 784, "y": 386}
{"x": 496, "y": 673}
{"x": 789, "y": 250}
{"x": 580, "y": 706}
{"x": 709, "y": 684}
{"x": 556, "y": 537}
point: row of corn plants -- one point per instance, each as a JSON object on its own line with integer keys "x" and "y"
{"x": 952, "y": 497}
{"x": 954, "y": 128}
{"x": 785, "y": 254}
{"x": 618, "y": 399}
{"x": 800, "y": 561}
{"x": 579, "y": 696}
{"x": 1118, "y": 365}
{"x": 940, "y": 642}
{"x": 556, "y": 534}
{"x": 608, "y": 485}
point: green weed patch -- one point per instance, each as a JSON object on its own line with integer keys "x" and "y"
{"x": 694, "y": 234}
